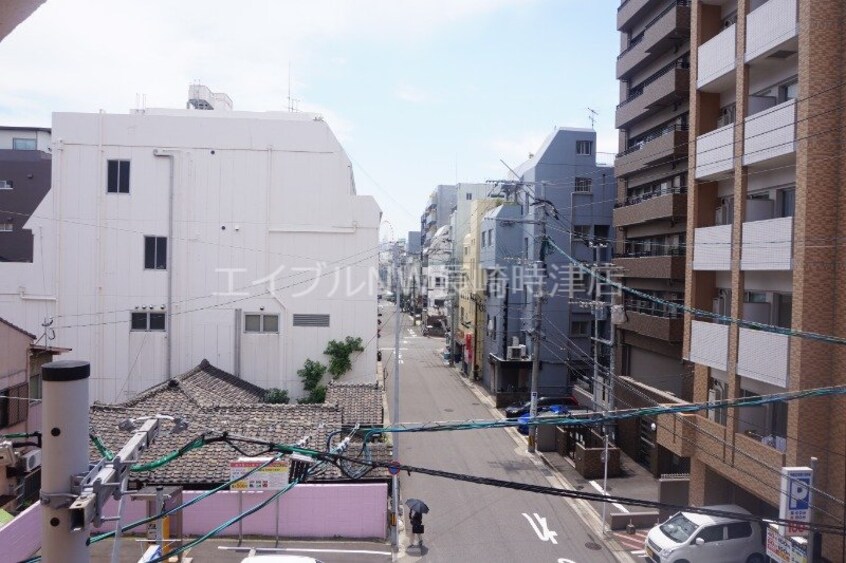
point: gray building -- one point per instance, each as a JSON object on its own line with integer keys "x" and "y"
{"x": 439, "y": 207}
{"x": 563, "y": 172}
{"x": 24, "y": 182}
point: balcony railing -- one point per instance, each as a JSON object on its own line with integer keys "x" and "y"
{"x": 637, "y": 91}
{"x": 770, "y": 26}
{"x": 663, "y": 250}
{"x": 770, "y": 133}
{"x": 717, "y": 57}
{"x": 634, "y": 200}
{"x": 709, "y": 344}
{"x": 654, "y": 309}
{"x": 639, "y": 37}
{"x": 651, "y": 136}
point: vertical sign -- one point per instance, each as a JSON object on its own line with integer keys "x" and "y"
{"x": 795, "y": 499}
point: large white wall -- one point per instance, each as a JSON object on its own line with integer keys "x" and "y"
{"x": 270, "y": 194}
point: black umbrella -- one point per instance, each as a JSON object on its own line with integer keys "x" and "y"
{"x": 417, "y": 505}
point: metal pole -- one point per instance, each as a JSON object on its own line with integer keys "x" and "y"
{"x": 277, "y": 522}
{"x": 605, "y": 479}
{"x": 453, "y": 305}
{"x": 395, "y": 414}
{"x": 65, "y": 455}
{"x": 536, "y": 333}
{"x": 116, "y": 543}
{"x": 241, "y": 521}
{"x": 811, "y": 546}
{"x": 160, "y": 522}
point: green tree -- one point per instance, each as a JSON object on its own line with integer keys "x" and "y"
{"x": 311, "y": 374}
{"x": 339, "y": 354}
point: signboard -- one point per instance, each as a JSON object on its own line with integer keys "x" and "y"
{"x": 783, "y": 549}
{"x": 270, "y": 478}
{"x": 795, "y": 499}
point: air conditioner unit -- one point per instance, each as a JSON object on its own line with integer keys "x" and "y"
{"x": 31, "y": 460}
{"x": 515, "y": 352}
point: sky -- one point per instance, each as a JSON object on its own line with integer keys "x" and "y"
{"x": 419, "y": 93}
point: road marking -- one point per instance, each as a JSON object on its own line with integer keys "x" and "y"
{"x": 541, "y": 529}
{"x": 562, "y": 560}
{"x": 602, "y": 491}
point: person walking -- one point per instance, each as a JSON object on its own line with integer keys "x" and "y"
{"x": 416, "y": 519}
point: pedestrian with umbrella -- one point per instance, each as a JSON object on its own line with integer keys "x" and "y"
{"x": 417, "y": 508}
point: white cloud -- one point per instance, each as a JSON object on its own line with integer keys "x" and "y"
{"x": 412, "y": 94}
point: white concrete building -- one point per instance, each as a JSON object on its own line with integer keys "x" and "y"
{"x": 170, "y": 236}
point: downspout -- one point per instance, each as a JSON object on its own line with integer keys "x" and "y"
{"x": 170, "y": 155}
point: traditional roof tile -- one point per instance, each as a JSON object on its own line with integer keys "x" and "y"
{"x": 361, "y": 403}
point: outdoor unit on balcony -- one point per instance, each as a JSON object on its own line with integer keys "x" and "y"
{"x": 516, "y": 352}
{"x": 31, "y": 460}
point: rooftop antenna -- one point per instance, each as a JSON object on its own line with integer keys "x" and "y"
{"x": 592, "y": 116}
{"x": 292, "y": 102}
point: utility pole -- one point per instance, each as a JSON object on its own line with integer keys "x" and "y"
{"x": 395, "y": 415}
{"x": 537, "y": 318}
{"x": 65, "y": 452}
{"x": 453, "y": 305}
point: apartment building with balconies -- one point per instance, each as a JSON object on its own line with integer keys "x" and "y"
{"x": 653, "y": 68}
{"x": 764, "y": 213}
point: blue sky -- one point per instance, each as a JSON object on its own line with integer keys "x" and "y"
{"x": 420, "y": 93}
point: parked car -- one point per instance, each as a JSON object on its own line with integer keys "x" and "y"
{"x": 688, "y": 537}
{"x": 519, "y": 409}
{"x": 523, "y": 428}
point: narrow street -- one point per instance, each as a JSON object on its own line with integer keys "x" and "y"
{"x": 468, "y": 522}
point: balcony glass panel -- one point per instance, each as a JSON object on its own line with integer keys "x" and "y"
{"x": 764, "y": 356}
{"x": 715, "y": 152}
{"x": 709, "y": 344}
{"x": 770, "y": 26}
{"x": 770, "y": 133}
{"x": 717, "y": 57}
{"x": 768, "y": 245}
{"x": 712, "y": 248}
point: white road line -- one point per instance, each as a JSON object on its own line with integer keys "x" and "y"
{"x": 638, "y": 552}
{"x": 617, "y": 505}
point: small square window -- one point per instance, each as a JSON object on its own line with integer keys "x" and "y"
{"x": 117, "y": 177}
{"x": 469, "y": 196}
{"x": 584, "y": 147}
{"x": 139, "y": 321}
{"x": 5, "y": 184}
{"x": 6, "y": 227}
{"x": 583, "y": 184}
{"x": 252, "y": 323}
{"x": 24, "y": 144}
{"x": 157, "y": 321}
{"x": 271, "y": 323}
{"x": 579, "y": 328}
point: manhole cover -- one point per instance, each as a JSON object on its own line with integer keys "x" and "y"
{"x": 448, "y": 410}
{"x": 593, "y": 546}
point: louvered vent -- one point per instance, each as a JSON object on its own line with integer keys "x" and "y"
{"x": 311, "y": 320}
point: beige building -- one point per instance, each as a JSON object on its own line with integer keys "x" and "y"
{"x": 471, "y": 300}
{"x": 765, "y": 213}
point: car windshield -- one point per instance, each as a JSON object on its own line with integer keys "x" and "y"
{"x": 678, "y": 528}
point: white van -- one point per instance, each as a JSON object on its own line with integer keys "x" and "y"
{"x": 688, "y": 537}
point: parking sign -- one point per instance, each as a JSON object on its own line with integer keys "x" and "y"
{"x": 795, "y": 502}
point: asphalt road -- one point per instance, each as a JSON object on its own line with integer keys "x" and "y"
{"x": 469, "y": 522}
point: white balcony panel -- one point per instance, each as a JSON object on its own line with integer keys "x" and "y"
{"x": 768, "y": 245}
{"x": 770, "y": 26}
{"x": 717, "y": 57}
{"x": 764, "y": 356}
{"x": 712, "y": 248}
{"x": 715, "y": 152}
{"x": 709, "y": 344}
{"x": 770, "y": 133}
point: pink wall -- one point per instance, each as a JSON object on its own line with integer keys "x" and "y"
{"x": 355, "y": 511}
{"x": 21, "y": 537}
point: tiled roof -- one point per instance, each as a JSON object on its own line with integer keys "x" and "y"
{"x": 17, "y": 328}
{"x": 361, "y": 403}
{"x": 213, "y": 400}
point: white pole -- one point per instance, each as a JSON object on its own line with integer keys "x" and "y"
{"x": 395, "y": 415}
{"x": 65, "y": 454}
{"x": 605, "y": 480}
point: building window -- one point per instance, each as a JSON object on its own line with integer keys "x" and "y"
{"x": 148, "y": 322}
{"x": 35, "y": 386}
{"x": 439, "y": 281}
{"x": 788, "y": 203}
{"x": 468, "y": 196}
{"x": 117, "y": 181}
{"x": 155, "y": 253}
{"x": 5, "y": 184}
{"x": 14, "y": 405}
{"x": 583, "y": 184}
{"x": 584, "y": 147}
{"x": 6, "y": 227}
{"x": 580, "y": 328}
{"x": 256, "y": 322}
{"x": 24, "y": 144}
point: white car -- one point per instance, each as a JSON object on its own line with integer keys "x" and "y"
{"x": 688, "y": 537}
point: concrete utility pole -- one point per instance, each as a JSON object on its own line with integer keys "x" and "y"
{"x": 537, "y": 319}
{"x": 395, "y": 415}
{"x": 65, "y": 454}
{"x": 453, "y": 305}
